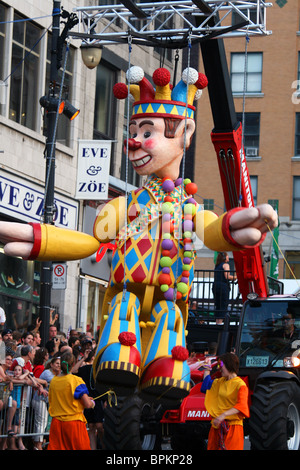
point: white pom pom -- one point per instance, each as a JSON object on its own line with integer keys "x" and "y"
{"x": 198, "y": 95}
{"x": 189, "y": 76}
{"x": 135, "y": 74}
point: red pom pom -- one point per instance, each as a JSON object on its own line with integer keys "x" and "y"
{"x": 167, "y": 227}
{"x": 179, "y": 353}
{"x": 127, "y": 338}
{"x": 120, "y": 91}
{"x": 202, "y": 81}
{"x": 165, "y": 252}
{"x": 161, "y": 77}
{"x": 191, "y": 188}
{"x": 185, "y": 273}
{"x": 164, "y": 278}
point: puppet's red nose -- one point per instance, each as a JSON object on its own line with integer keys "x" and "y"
{"x": 132, "y": 144}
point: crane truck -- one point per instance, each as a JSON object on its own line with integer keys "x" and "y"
{"x": 268, "y": 336}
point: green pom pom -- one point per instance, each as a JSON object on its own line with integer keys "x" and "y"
{"x": 165, "y": 262}
{"x": 182, "y": 287}
{"x": 186, "y": 267}
{"x": 189, "y": 209}
{"x": 187, "y": 254}
{"x": 186, "y": 181}
{"x": 164, "y": 287}
{"x": 166, "y": 235}
{"x": 187, "y": 234}
{"x": 167, "y": 208}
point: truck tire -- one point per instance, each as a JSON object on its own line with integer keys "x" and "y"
{"x": 274, "y": 422}
{"x": 123, "y": 425}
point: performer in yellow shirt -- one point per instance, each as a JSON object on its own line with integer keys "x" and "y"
{"x": 68, "y": 397}
{"x": 226, "y": 401}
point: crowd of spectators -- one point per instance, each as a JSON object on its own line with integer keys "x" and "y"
{"x": 23, "y": 361}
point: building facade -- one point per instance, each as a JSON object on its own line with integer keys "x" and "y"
{"x": 25, "y": 60}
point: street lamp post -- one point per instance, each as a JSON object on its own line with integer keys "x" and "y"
{"x": 91, "y": 55}
{"x": 48, "y": 215}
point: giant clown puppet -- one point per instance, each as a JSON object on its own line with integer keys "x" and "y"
{"x": 142, "y": 333}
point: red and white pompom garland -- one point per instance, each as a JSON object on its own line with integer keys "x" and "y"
{"x": 189, "y": 211}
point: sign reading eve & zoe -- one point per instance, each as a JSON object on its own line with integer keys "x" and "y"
{"x": 93, "y": 169}
{"x": 24, "y": 200}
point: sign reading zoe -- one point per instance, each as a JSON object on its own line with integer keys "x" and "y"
{"x": 93, "y": 169}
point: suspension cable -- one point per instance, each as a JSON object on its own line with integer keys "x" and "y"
{"x": 183, "y": 161}
{"x": 126, "y": 163}
{"x": 243, "y": 114}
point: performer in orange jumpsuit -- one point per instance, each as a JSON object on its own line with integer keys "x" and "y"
{"x": 226, "y": 401}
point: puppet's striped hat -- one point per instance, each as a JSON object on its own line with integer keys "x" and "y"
{"x": 163, "y": 100}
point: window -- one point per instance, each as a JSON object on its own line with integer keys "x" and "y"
{"x": 297, "y": 135}
{"x": 237, "y": 18}
{"x": 64, "y": 127}
{"x": 251, "y": 14}
{"x": 273, "y": 203}
{"x": 253, "y": 181}
{"x": 296, "y": 198}
{"x": 208, "y": 204}
{"x": 2, "y": 55}
{"x": 23, "y": 91}
{"x": 105, "y": 106}
{"x": 251, "y": 133}
{"x": 2, "y": 40}
{"x": 104, "y": 119}
{"x": 293, "y": 261}
{"x": 298, "y": 72}
{"x": 253, "y": 72}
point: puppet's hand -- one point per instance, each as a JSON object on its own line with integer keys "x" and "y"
{"x": 17, "y": 238}
{"x": 248, "y": 226}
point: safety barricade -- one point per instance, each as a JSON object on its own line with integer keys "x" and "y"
{"x": 23, "y": 412}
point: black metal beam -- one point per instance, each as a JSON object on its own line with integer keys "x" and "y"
{"x": 203, "y": 6}
{"x": 136, "y": 11}
{"x": 219, "y": 85}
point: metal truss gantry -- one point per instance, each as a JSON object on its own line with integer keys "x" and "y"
{"x": 156, "y": 23}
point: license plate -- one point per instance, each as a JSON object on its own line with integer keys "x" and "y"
{"x": 257, "y": 361}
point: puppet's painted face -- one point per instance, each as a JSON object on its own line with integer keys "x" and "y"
{"x": 151, "y": 152}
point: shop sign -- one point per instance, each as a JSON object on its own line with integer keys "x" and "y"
{"x": 93, "y": 169}
{"x": 59, "y": 275}
{"x": 24, "y": 200}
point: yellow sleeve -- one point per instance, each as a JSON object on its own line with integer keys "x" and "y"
{"x": 209, "y": 230}
{"x": 110, "y": 219}
{"x": 53, "y": 243}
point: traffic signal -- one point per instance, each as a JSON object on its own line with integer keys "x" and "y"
{"x": 51, "y": 103}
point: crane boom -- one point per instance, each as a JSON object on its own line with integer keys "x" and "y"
{"x": 227, "y": 140}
